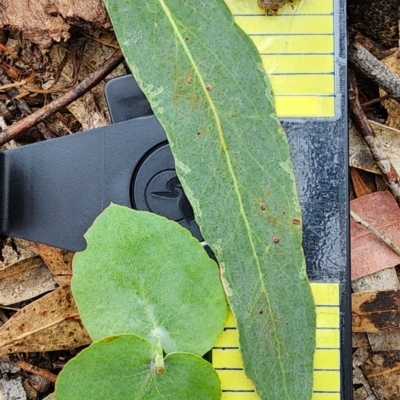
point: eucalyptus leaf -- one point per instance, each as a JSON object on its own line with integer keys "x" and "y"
{"x": 146, "y": 275}
{"x": 205, "y": 82}
{"x": 122, "y": 367}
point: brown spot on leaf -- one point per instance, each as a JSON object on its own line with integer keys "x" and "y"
{"x": 261, "y": 312}
{"x": 276, "y": 240}
{"x": 296, "y": 221}
{"x": 160, "y": 370}
{"x": 198, "y": 133}
{"x": 209, "y": 88}
{"x": 263, "y": 207}
{"x": 189, "y": 80}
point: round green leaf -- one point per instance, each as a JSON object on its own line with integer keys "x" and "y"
{"x": 146, "y": 275}
{"x": 122, "y": 367}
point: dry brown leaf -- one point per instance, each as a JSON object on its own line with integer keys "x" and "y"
{"x": 360, "y": 187}
{"x": 368, "y": 253}
{"x": 392, "y": 106}
{"x": 376, "y": 311}
{"x": 359, "y": 340}
{"x": 25, "y": 280}
{"x": 59, "y": 262}
{"x": 360, "y": 356}
{"x": 383, "y": 374}
{"x": 385, "y": 279}
{"x": 364, "y": 391}
{"x": 50, "y": 323}
{"x": 13, "y": 250}
{"x": 360, "y": 155}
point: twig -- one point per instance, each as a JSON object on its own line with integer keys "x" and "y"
{"x": 374, "y": 101}
{"x": 374, "y": 69}
{"x": 88, "y": 83}
{"x": 383, "y": 162}
{"x": 379, "y": 235}
{"x": 33, "y": 369}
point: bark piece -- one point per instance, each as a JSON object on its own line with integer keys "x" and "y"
{"x": 42, "y": 21}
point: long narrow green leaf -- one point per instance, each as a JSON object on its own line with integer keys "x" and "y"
{"x": 206, "y": 84}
